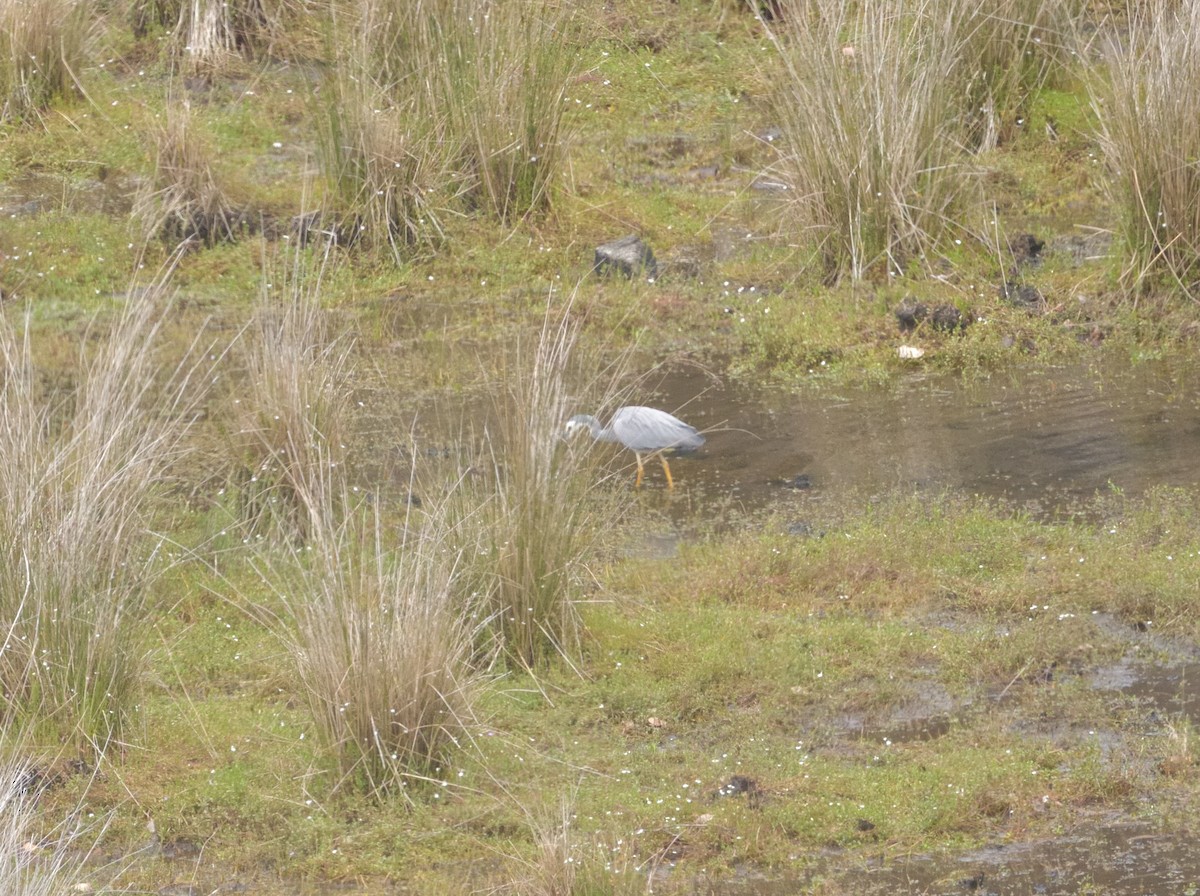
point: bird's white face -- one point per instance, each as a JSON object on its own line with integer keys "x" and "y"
{"x": 572, "y": 427}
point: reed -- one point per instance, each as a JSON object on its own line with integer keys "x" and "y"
{"x": 43, "y": 45}
{"x": 1146, "y": 96}
{"x": 79, "y": 473}
{"x": 872, "y": 152}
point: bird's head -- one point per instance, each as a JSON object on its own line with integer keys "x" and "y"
{"x": 578, "y": 423}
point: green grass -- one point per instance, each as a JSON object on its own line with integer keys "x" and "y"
{"x": 790, "y": 662}
{"x": 610, "y": 732}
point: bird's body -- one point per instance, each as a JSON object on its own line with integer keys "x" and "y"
{"x": 643, "y": 431}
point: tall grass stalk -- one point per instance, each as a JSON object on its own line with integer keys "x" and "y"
{"x": 35, "y": 861}
{"x": 43, "y": 44}
{"x": 390, "y": 174}
{"x": 1146, "y": 95}
{"x": 1010, "y": 49}
{"x": 383, "y": 640}
{"x": 536, "y": 530}
{"x": 186, "y": 198}
{"x": 873, "y": 136}
{"x": 78, "y": 478}
{"x": 294, "y": 418}
{"x": 442, "y": 107}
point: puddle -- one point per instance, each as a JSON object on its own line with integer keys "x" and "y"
{"x": 1046, "y": 441}
{"x": 1113, "y": 858}
{"x": 35, "y": 193}
{"x": 1167, "y": 690}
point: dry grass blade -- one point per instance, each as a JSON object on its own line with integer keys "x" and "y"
{"x": 42, "y": 44}
{"x": 185, "y": 199}
{"x": 872, "y": 150}
{"x": 78, "y": 474}
{"x": 1147, "y": 99}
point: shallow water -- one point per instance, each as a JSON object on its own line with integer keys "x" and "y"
{"x": 1109, "y": 856}
{"x": 1048, "y": 440}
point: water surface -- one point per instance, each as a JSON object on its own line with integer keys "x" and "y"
{"x": 1048, "y": 440}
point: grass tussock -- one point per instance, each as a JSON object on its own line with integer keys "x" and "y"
{"x": 79, "y": 474}
{"x": 386, "y": 167}
{"x": 873, "y": 148}
{"x": 35, "y": 861}
{"x": 381, "y": 637}
{"x": 504, "y": 92}
{"x": 566, "y": 862}
{"x": 443, "y": 107}
{"x": 534, "y": 533}
{"x": 1010, "y": 49}
{"x": 1146, "y": 95}
{"x": 186, "y": 199}
{"x": 43, "y": 45}
{"x": 293, "y": 421}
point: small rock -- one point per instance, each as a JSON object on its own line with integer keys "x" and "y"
{"x": 1022, "y": 295}
{"x": 949, "y": 318}
{"x": 628, "y": 256}
{"x": 910, "y": 314}
{"x": 1026, "y": 248}
{"x": 910, "y": 352}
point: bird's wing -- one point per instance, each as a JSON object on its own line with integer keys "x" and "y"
{"x": 649, "y": 429}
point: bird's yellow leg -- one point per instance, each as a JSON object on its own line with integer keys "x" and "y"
{"x": 641, "y": 470}
{"x": 667, "y": 470}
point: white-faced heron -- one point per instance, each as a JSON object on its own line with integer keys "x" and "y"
{"x": 642, "y": 431}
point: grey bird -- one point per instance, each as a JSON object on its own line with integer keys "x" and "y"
{"x": 642, "y": 431}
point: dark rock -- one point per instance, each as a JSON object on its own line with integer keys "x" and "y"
{"x": 912, "y": 314}
{"x": 628, "y": 256}
{"x": 800, "y": 481}
{"x": 1026, "y": 248}
{"x": 1022, "y": 295}
{"x": 949, "y": 318}
{"x": 971, "y": 884}
{"x": 738, "y": 784}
